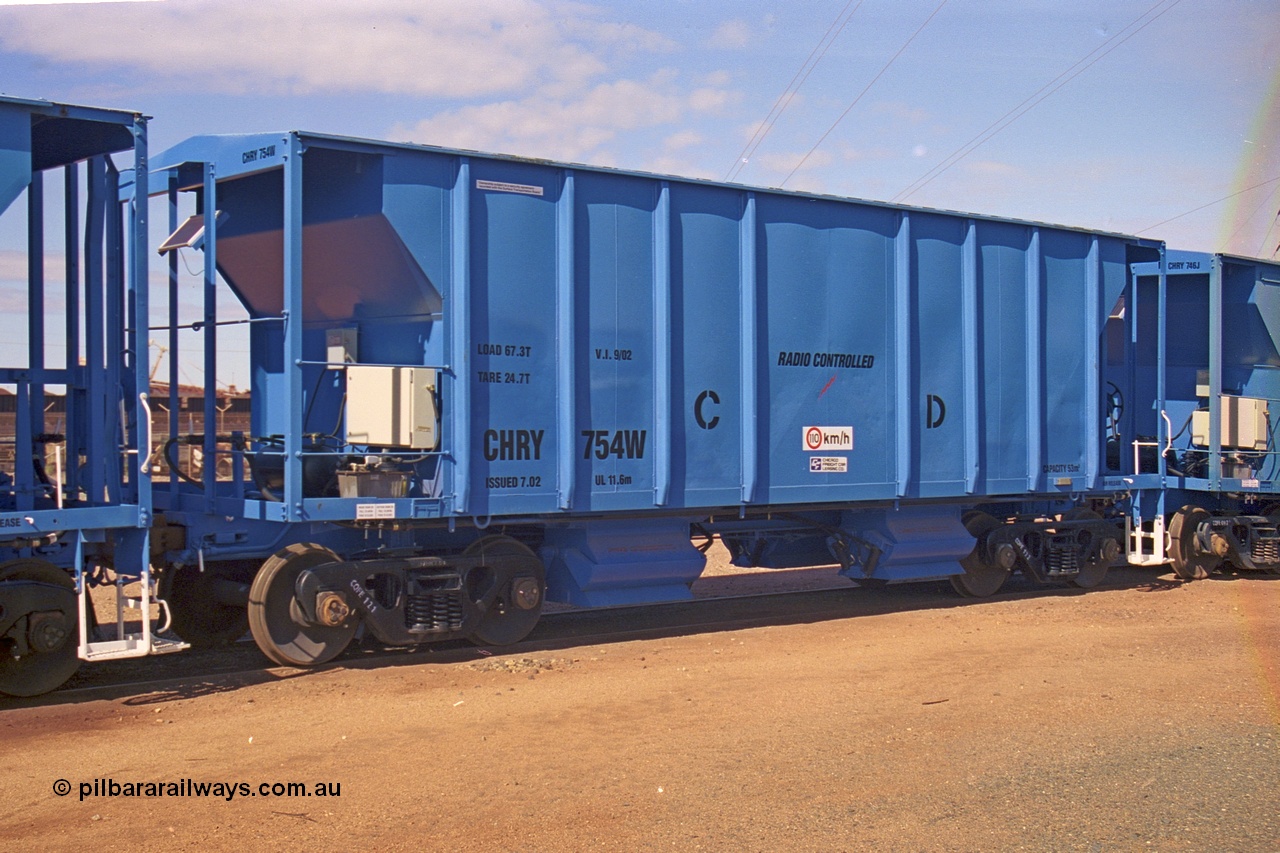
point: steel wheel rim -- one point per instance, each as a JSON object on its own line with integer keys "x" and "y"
{"x": 275, "y": 619}
{"x": 39, "y": 672}
{"x": 507, "y": 622}
{"x": 1187, "y": 564}
{"x": 980, "y": 579}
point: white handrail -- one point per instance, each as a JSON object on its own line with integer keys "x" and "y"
{"x": 57, "y": 474}
{"x": 146, "y": 410}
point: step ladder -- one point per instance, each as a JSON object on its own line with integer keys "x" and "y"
{"x": 1147, "y": 544}
{"x": 126, "y": 645}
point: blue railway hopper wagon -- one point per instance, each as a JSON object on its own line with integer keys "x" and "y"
{"x": 1194, "y": 372}
{"x": 74, "y": 493}
{"x": 479, "y": 382}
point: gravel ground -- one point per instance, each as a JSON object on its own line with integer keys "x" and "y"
{"x": 1141, "y": 716}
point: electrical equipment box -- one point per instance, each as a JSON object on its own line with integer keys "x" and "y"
{"x": 1202, "y": 385}
{"x": 1244, "y": 424}
{"x": 340, "y": 346}
{"x": 392, "y": 406}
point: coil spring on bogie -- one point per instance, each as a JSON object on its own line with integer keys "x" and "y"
{"x": 434, "y": 613}
{"x": 1061, "y": 560}
{"x": 1265, "y": 551}
{"x": 434, "y": 603}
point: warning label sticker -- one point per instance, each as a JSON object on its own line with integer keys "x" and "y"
{"x": 828, "y": 465}
{"x": 503, "y": 187}
{"x": 828, "y": 438}
{"x": 364, "y": 511}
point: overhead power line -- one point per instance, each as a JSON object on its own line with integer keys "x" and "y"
{"x": 1262, "y": 247}
{"x": 1266, "y": 198}
{"x": 784, "y": 98}
{"x": 855, "y": 101}
{"x": 1034, "y": 100}
{"x": 1207, "y": 204}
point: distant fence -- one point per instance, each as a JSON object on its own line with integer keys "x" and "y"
{"x": 233, "y": 415}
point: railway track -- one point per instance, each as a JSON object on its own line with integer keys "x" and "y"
{"x": 228, "y": 667}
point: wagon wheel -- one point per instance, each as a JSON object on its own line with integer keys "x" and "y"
{"x": 980, "y": 578}
{"x": 51, "y": 656}
{"x": 197, "y": 616}
{"x": 509, "y": 586}
{"x": 1189, "y": 562}
{"x": 277, "y": 622}
{"x": 1090, "y": 574}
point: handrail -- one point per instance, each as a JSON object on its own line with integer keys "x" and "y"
{"x": 146, "y": 408}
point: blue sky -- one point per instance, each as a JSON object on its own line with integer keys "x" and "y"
{"x": 1176, "y": 115}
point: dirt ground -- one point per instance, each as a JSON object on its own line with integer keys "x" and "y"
{"x": 1141, "y": 716}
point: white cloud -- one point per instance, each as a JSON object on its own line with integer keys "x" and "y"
{"x": 13, "y": 268}
{"x": 853, "y": 154}
{"x": 785, "y": 161}
{"x": 580, "y": 20}
{"x": 731, "y": 34}
{"x": 13, "y": 305}
{"x": 748, "y": 131}
{"x": 900, "y": 111}
{"x": 669, "y": 165}
{"x": 994, "y": 169}
{"x": 682, "y": 139}
{"x": 448, "y": 48}
{"x": 557, "y": 125}
{"x": 707, "y": 100}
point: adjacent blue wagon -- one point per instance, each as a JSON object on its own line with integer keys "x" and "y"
{"x": 75, "y": 497}
{"x": 1195, "y": 374}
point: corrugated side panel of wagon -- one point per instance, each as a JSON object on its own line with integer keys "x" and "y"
{"x": 617, "y": 342}
{"x": 639, "y": 343}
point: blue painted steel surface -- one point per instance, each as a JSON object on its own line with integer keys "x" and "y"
{"x": 618, "y": 361}
{"x": 913, "y": 542}
{"x": 104, "y": 486}
{"x": 615, "y": 342}
{"x": 612, "y": 345}
{"x": 630, "y": 561}
{"x": 1226, "y": 313}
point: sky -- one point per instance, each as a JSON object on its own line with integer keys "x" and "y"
{"x": 1152, "y": 117}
